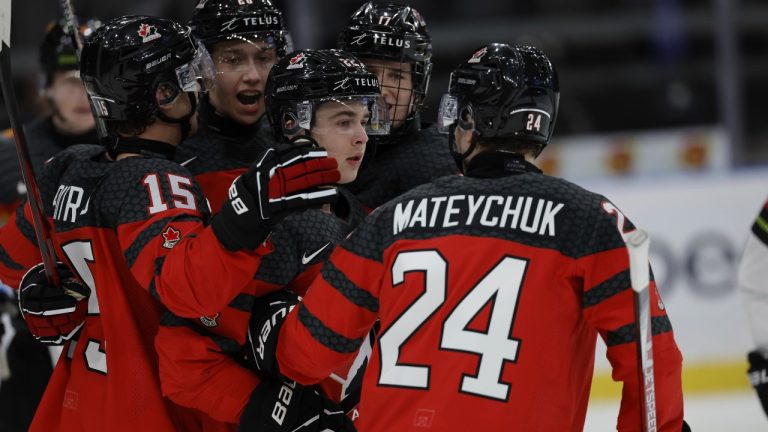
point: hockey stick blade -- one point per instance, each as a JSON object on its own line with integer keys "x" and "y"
{"x": 638, "y": 246}
{"x": 42, "y": 233}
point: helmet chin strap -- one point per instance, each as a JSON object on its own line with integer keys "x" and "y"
{"x": 184, "y": 122}
{"x": 458, "y": 156}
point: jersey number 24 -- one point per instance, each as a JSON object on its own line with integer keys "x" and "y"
{"x": 495, "y": 347}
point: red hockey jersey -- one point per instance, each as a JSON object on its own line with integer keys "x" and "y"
{"x": 199, "y": 358}
{"x": 490, "y": 293}
{"x": 134, "y": 232}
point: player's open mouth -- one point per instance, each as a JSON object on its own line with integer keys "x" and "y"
{"x": 249, "y": 97}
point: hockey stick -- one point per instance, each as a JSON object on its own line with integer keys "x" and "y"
{"x": 638, "y": 244}
{"x": 72, "y": 26}
{"x": 42, "y": 233}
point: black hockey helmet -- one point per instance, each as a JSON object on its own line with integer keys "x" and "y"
{"x": 395, "y": 32}
{"x": 57, "y": 51}
{"x": 125, "y": 61}
{"x": 304, "y": 79}
{"x": 219, "y": 20}
{"x": 508, "y": 91}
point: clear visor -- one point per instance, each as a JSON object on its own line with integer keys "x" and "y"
{"x": 198, "y": 75}
{"x": 343, "y": 115}
{"x": 238, "y": 54}
{"x": 448, "y": 113}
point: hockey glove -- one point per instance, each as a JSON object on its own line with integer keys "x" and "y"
{"x": 285, "y": 406}
{"x": 283, "y": 179}
{"x": 758, "y": 376}
{"x": 53, "y": 313}
{"x": 267, "y": 316}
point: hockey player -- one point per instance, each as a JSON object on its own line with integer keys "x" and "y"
{"x": 129, "y": 230}
{"x": 754, "y": 290}
{"x": 245, "y": 40}
{"x": 392, "y": 40}
{"x": 70, "y": 122}
{"x": 331, "y": 100}
{"x": 491, "y": 287}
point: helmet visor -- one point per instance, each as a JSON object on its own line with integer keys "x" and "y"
{"x": 197, "y": 75}
{"x": 448, "y": 113}
{"x": 340, "y": 115}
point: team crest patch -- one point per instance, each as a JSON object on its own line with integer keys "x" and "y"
{"x": 476, "y": 57}
{"x": 210, "y": 321}
{"x": 171, "y": 237}
{"x": 297, "y": 61}
{"x": 148, "y": 32}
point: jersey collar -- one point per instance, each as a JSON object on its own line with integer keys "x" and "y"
{"x": 496, "y": 163}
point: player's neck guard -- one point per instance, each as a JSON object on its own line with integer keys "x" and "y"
{"x": 497, "y": 163}
{"x": 140, "y": 146}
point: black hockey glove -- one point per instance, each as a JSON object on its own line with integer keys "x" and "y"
{"x": 758, "y": 376}
{"x": 267, "y": 316}
{"x": 53, "y": 313}
{"x": 285, "y": 406}
{"x": 283, "y": 179}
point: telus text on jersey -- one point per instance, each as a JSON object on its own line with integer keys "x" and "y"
{"x": 528, "y": 214}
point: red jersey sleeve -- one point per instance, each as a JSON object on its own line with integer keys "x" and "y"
{"x": 203, "y": 377}
{"x": 327, "y": 328}
{"x": 609, "y": 306}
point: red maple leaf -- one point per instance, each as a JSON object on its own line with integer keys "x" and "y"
{"x": 144, "y": 30}
{"x": 171, "y": 235}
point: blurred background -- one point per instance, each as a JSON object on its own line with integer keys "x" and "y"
{"x": 662, "y": 110}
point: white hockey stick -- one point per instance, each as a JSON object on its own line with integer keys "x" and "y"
{"x": 638, "y": 244}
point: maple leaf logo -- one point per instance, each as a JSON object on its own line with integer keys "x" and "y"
{"x": 171, "y": 236}
{"x": 297, "y": 61}
{"x": 148, "y": 32}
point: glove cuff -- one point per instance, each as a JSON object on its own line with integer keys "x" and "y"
{"x": 238, "y": 225}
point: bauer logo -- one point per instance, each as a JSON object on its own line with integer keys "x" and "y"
{"x": 476, "y": 57}
{"x": 297, "y": 61}
{"x": 148, "y": 32}
{"x": 154, "y": 63}
{"x": 286, "y": 88}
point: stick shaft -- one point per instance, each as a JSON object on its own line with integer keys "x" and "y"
{"x": 638, "y": 245}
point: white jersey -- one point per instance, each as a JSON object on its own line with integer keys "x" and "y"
{"x": 753, "y": 280}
